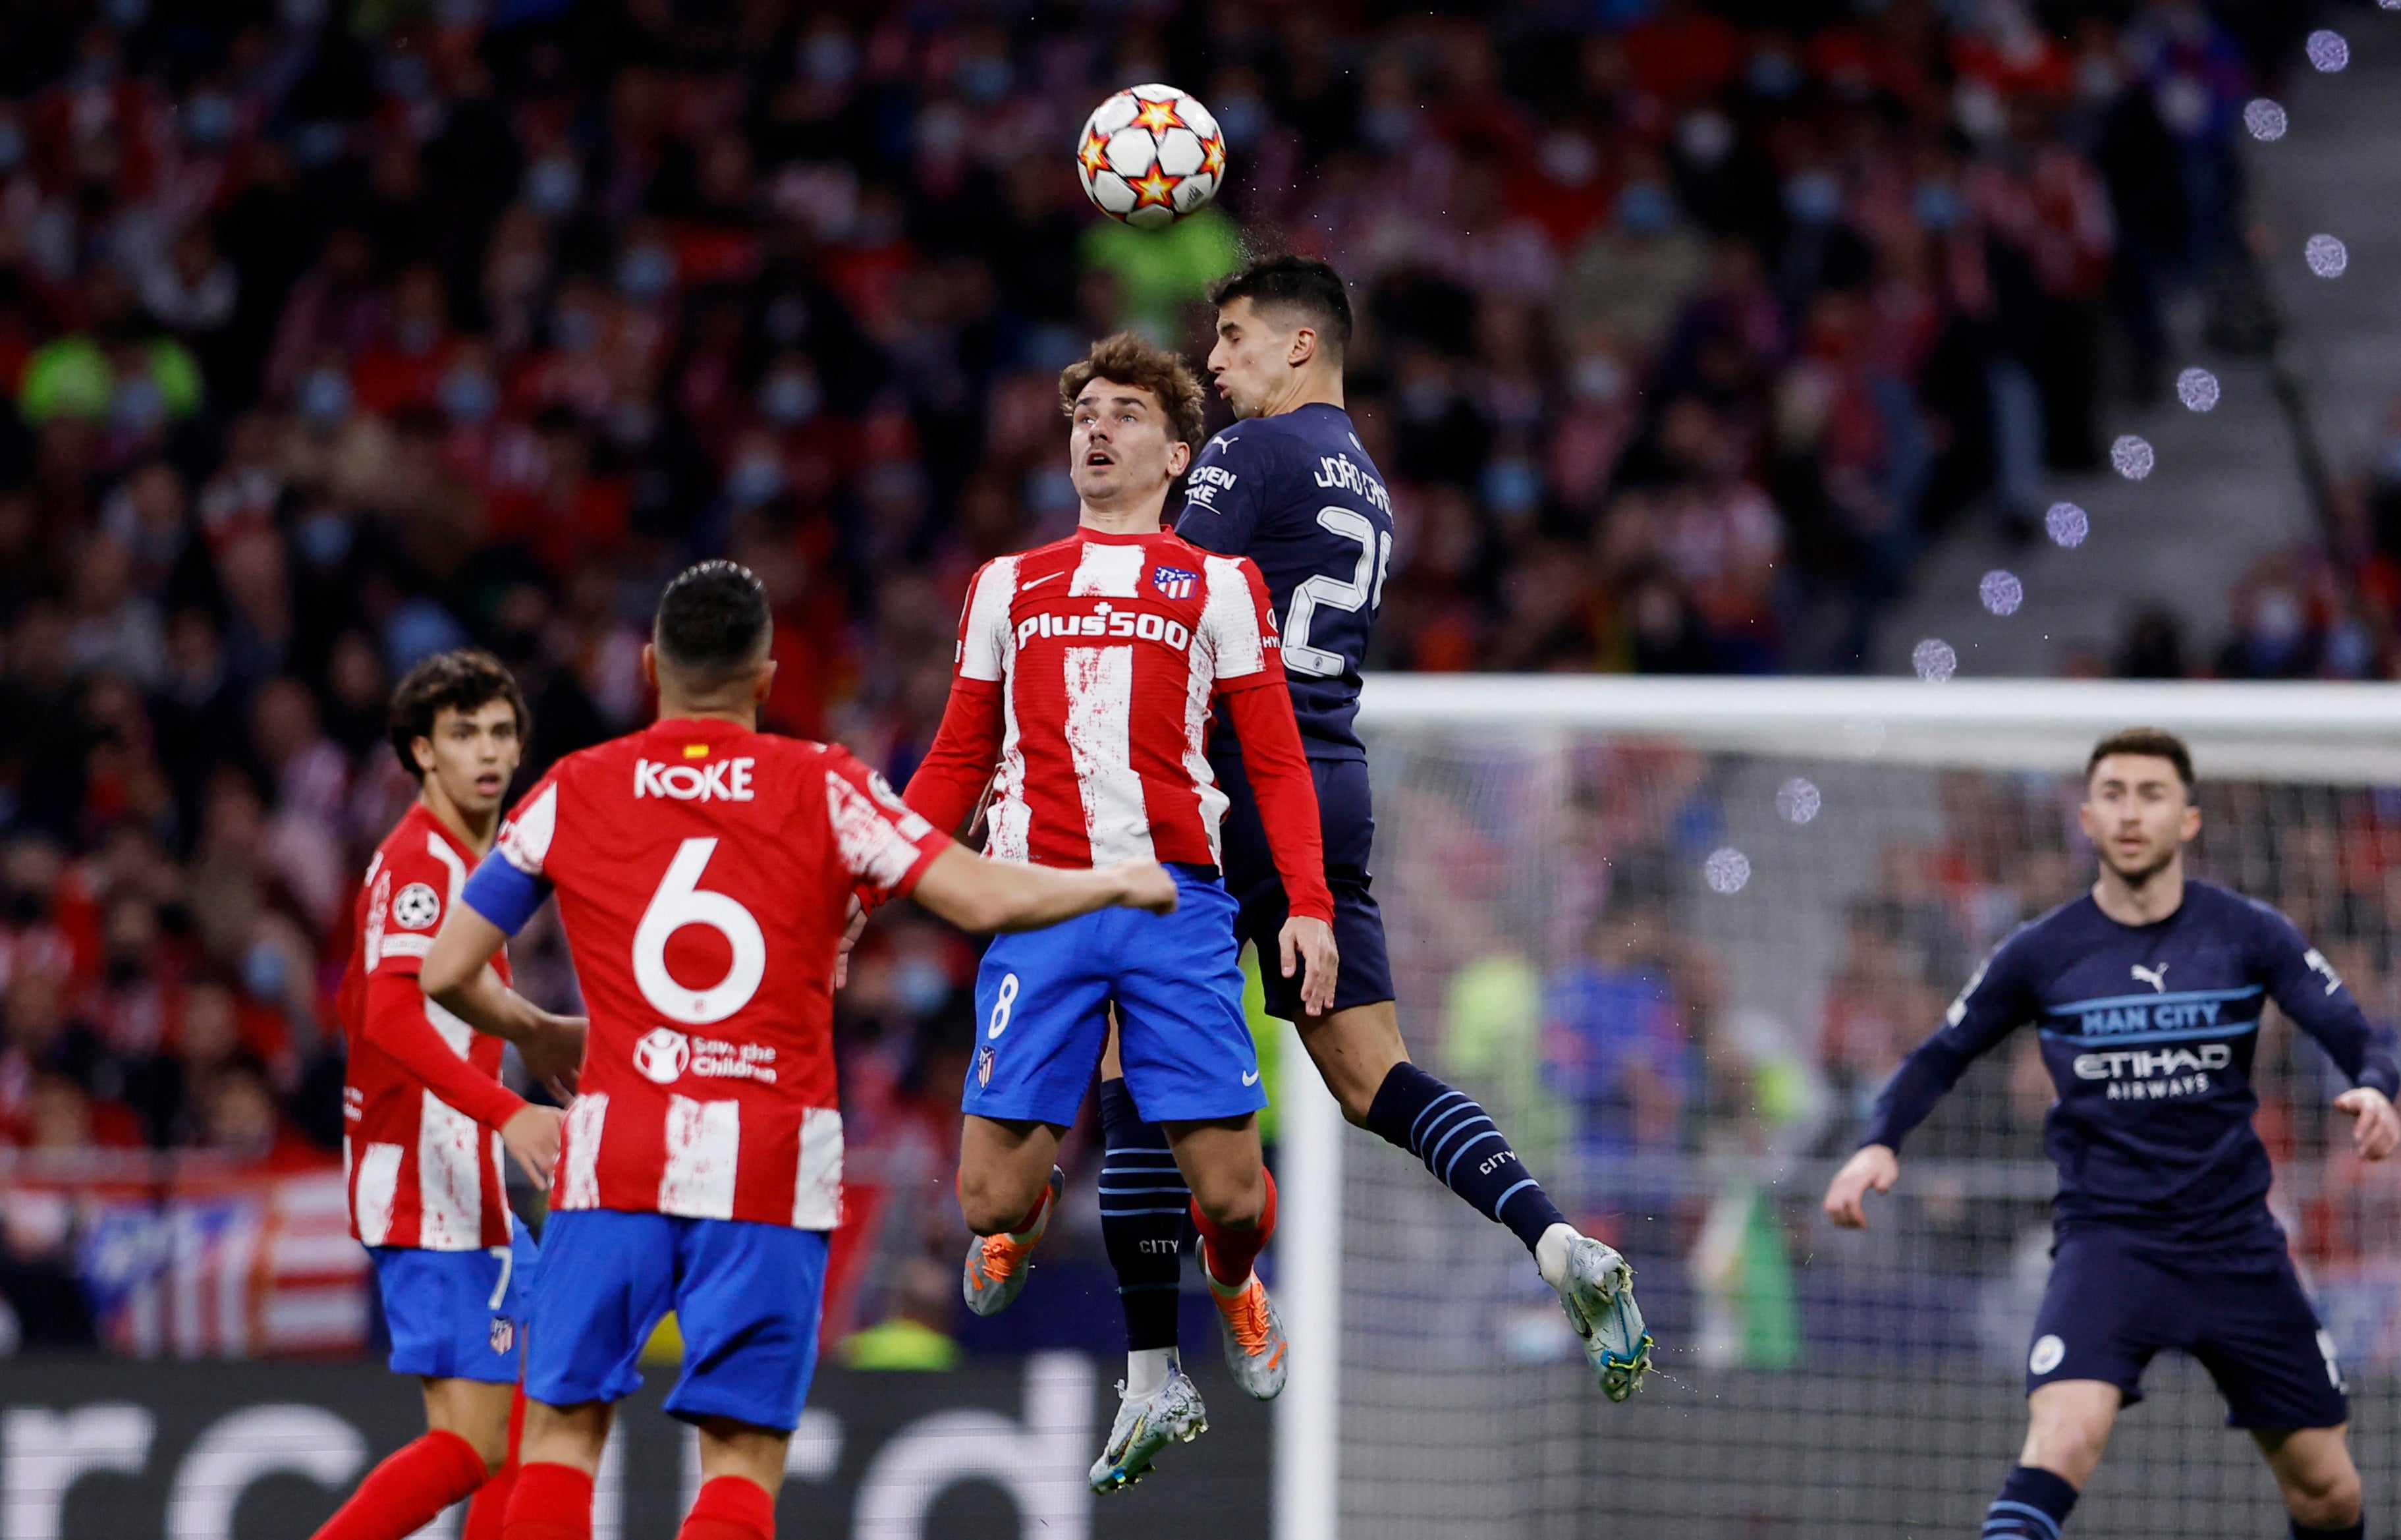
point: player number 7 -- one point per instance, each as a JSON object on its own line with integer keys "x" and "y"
{"x": 1365, "y": 589}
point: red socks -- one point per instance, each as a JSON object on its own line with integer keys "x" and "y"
{"x": 402, "y": 1494}
{"x": 1230, "y": 1253}
{"x": 729, "y": 1508}
{"x": 551, "y": 1503}
{"x": 490, "y": 1508}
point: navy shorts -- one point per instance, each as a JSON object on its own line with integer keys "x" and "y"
{"x": 1346, "y": 816}
{"x": 1176, "y": 981}
{"x": 2111, "y": 1304}
{"x": 457, "y": 1315}
{"x": 747, "y": 1298}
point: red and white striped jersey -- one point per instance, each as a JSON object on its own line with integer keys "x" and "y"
{"x": 1102, "y": 654}
{"x": 424, "y": 1171}
{"x": 703, "y": 874}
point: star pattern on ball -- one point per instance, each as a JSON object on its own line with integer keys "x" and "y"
{"x": 1213, "y": 156}
{"x": 1157, "y": 117}
{"x": 1094, "y": 155}
{"x": 1156, "y": 189}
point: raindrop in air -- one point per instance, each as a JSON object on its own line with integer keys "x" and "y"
{"x": 2327, "y": 255}
{"x": 1934, "y": 660}
{"x": 2132, "y": 455}
{"x": 2067, "y": 524}
{"x": 2266, "y": 120}
{"x": 2001, "y": 592}
{"x": 1727, "y": 869}
{"x": 2328, "y": 51}
{"x": 1798, "y": 800}
{"x": 2197, "y": 389}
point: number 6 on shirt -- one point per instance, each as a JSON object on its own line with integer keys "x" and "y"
{"x": 680, "y": 900}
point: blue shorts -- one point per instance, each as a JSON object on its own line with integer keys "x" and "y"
{"x": 457, "y": 1315}
{"x": 747, "y": 1298}
{"x": 1346, "y": 819}
{"x": 1176, "y": 981}
{"x": 2111, "y": 1304}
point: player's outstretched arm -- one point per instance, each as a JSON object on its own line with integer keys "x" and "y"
{"x": 2375, "y": 1127}
{"x": 1277, "y": 768}
{"x": 980, "y": 895}
{"x": 458, "y": 976}
{"x": 1872, "y": 1167}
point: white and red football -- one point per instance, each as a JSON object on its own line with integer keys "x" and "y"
{"x": 1150, "y": 155}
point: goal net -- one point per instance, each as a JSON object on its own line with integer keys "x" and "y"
{"x": 1676, "y": 934}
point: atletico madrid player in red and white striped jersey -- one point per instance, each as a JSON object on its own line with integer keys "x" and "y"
{"x": 1087, "y": 677}
{"x": 425, "y": 1117}
{"x": 705, "y": 872}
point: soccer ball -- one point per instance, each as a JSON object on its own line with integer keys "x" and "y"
{"x": 1149, "y": 156}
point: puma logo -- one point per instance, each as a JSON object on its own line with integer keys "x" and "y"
{"x": 2156, "y": 977}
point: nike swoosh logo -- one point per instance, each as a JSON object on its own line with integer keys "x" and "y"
{"x": 1037, "y": 583}
{"x": 1251, "y": 1079}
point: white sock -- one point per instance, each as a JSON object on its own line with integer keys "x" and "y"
{"x": 1147, "y": 1369}
{"x": 1551, "y": 1252}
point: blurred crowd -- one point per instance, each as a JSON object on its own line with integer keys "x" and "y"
{"x": 2327, "y": 608}
{"x": 337, "y": 332}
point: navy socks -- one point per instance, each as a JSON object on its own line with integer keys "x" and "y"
{"x": 1143, "y": 1218}
{"x": 2033, "y": 1504}
{"x": 1463, "y": 1149}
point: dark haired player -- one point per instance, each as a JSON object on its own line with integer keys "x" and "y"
{"x": 2147, "y": 993}
{"x": 1290, "y": 486}
{"x": 425, "y": 1116}
{"x": 704, "y": 871}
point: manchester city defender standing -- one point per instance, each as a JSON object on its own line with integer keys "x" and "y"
{"x": 2148, "y": 993}
{"x": 1290, "y": 486}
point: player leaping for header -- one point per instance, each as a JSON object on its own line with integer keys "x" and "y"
{"x": 1290, "y": 487}
{"x": 1086, "y": 674}
{"x": 2147, "y": 993}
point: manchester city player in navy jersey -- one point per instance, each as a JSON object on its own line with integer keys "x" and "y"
{"x": 2147, "y": 993}
{"x": 1290, "y": 486}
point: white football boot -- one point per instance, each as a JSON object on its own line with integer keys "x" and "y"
{"x": 1596, "y": 1287}
{"x": 1146, "y": 1425}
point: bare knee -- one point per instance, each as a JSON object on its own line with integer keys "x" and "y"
{"x": 1355, "y": 1051}
{"x": 475, "y": 1412}
{"x": 2319, "y": 1484}
{"x": 1237, "y": 1200}
{"x": 2329, "y": 1504}
{"x": 2068, "y": 1429}
{"x": 566, "y": 1435}
{"x": 993, "y": 1199}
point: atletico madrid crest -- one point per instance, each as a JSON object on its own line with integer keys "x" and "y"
{"x": 1175, "y": 581}
{"x": 504, "y": 1334}
{"x": 983, "y": 1067}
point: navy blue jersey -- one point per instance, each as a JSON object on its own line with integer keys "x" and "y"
{"x": 1297, "y": 495}
{"x": 2148, "y": 1033}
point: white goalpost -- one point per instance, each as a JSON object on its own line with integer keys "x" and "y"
{"x": 1673, "y": 932}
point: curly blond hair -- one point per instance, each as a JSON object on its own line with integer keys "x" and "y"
{"x": 1128, "y": 359}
